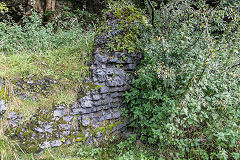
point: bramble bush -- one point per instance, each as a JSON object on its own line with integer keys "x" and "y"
{"x": 186, "y": 97}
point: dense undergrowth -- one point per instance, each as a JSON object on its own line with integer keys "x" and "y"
{"x": 184, "y": 103}
{"x": 186, "y": 97}
{"x": 31, "y": 52}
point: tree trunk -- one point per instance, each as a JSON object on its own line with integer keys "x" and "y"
{"x": 44, "y": 7}
{"x": 39, "y": 6}
{"x": 50, "y": 10}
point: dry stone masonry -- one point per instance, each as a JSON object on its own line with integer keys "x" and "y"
{"x": 96, "y": 116}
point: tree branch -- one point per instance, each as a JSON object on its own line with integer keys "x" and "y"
{"x": 150, "y": 3}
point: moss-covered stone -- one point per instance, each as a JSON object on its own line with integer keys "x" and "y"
{"x": 31, "y": 134}
{"x": 123, "y": 33}
{"x": 3, "y": 89}
{"x": 3, "y": 93}
{"x": 34, "y": 85}
{"x": 87, "y": 87}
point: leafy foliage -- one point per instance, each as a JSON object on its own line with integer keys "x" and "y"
{"x": 33, "y": 36}
{"x": 3, "y": 8}
{"x": 185, "y": 99}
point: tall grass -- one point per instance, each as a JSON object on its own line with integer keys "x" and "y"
{"x": 32, "y": 49}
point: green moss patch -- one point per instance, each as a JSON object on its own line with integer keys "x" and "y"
{"x": 30, "y": 135}
{"x": 3, "y": 93}
{"x": 125, "y": 29}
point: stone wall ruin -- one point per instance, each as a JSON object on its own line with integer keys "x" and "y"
{"x": 96, "y": 116}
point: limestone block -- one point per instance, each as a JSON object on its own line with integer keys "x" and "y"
{"x": 119, "y": 89}
{"x": 68, "y": 118}
{"x": 96, "y": 97}
{"x": 45, "y": 144}
{"x": 131, "y": 66}
{"x": 116, "y": 94}
{"x": 114, "y": 60}
{"x": 110, "y": 71}
{"x": 98, "y": 114}
{"x": 93, "y": 109}
{"x": 59, "y": 113}
{"x": 108, "y": 116}
{"x": 56, "y": 143}
{"x": 117, "y": 99}
{"x": 14, "y": 119}
{"x": 38, "y": 129}
{"x": 104, "y": 96}
{"x": 66, "y": 133}
{"x": 129, "y": 60}
{"x": 76, "y": 111}
{"x": 98, "y": 134}
{"x": 115, "y": 81}
{"x": 86, "y": 120}
{"x": 48, "y": 128}
{"x": 115, "y": 33}
{"x": 68, "y": 142}
{"x": 102, "y": 102}
{"x": 101, "y": 58}
{"x": 98, "y": 103}
{"x": 115, "y": 71}
{"x": 101, "y": 75}
{"x": 104, "y": 89}
{"x": 116, "y": 113}
{"x": 86, "y": 104}
{"x": 101, "y": 40}
{"x": 96, "y": 109}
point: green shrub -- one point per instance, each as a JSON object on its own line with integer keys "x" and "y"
{"x": 185, "y": 98}
{"x": 32, "y": 36}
